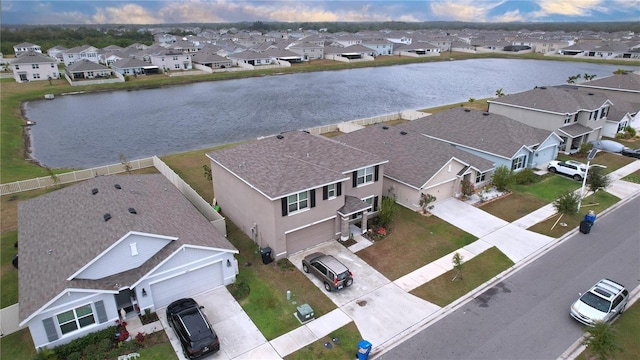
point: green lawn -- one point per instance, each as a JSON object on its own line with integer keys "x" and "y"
{"x": 514, "y": 206}
{"x": 162, "y": 351}
{"x": 18, "y": 346}
{"x": 633, "y": 177}
{"x": 443, "y": 290}
{"x": 627, "y": 330}
{"x": 550, "y": 187}
{"x": 414, "y": 241}
{"x": 344, "y": 346}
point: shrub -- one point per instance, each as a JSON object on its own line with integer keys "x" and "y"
{"x": 74, "y": 356}
{"x": 140, "y": 338}
{"x": 387, "y": 211}
{"x": 585, "y": 148}
{"x": 105, "y": 345}
{"x": 78, "y": 345}
{"x": 631, "y": 131}
{"x": 502, "y": 178}
{"x": 467, "y": 188}
{"x": 525, "y": 177}
{"x": 567, "y": 203}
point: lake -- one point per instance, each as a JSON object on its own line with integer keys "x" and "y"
{"x": 87, "y": 130}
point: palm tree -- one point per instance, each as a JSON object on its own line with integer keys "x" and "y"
{"x": 499, "y": 93}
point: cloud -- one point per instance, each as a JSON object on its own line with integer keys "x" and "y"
{"x": 509, "y": 16}
{"x": 573, "y": 8}
{"x": 475, "y": 11}
{"x": 127, "y": 14}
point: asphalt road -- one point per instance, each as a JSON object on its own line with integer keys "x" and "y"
{"x": 526, "y": 316}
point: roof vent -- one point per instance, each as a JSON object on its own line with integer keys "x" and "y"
{"x": 403, "y": 133}
{"x": 132, "y": 211}
{"x": 385, "y": 127}
{"x": 117, "y": 186}
{"x": 279, "y": 136}
{"x": 107, "y": 217}
{"x": 467, "y": 110}
{"x": 485, "y": 113}
{"x": 94, "y": 191}
{"x": 591, "y": 94}
{"x": 543, "y": 87}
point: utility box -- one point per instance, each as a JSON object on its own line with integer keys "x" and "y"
{"x": 304, "y": 313}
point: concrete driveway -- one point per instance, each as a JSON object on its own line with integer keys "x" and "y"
{"x": 365, "y": 278}
{"x": 239, "y": 337}
{"x": 467, "y": 217}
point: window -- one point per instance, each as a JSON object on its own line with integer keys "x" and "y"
{"x": 298, "y": 201}
{"x": 36, "y": 76}
{"x": 52, "y": 66}
{"x": 177, "y": 66}
{"x": 365, "y": 176}
{"x": 75, "y": 319}
{"x": 17, "y": 67}
{"x": 331, "y": 191}
{"x": 518, "y": 163}
{"x": 175, "y": 58}
{"x": 567, "y": 119}
{"x": 480, "y": 177}
{"x": 603, "y": 113}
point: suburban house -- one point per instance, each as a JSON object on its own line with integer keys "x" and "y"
{"x": 26, "y": 47}
{"x": 171, "y": 60}
{"x": 252, "y": 58}
{"x": 417, "y": 49}
{"x": 308, "y": 50}
{"x": 419, "y": 164}
{"x": 112, "y": 246}
{"x": 211, "y": 60}
{"x": 625, "y": 86}
{"x": 295, "y": 190}
{"x": 84, "y": 52}
{"x": 34, "y": 66}
{"x": 130, "y": 66}
{"x": 56, "y": 52}
{"x": 621, "y": 114}
{"x": 576, "y": 116}
{"x": 85, "y": 69}
{"x": 499, "y": 139}
{"x": 349, "y": 53}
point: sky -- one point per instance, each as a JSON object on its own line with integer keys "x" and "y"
{"x": 220, "y": 11}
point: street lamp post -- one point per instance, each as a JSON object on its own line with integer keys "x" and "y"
{"x": 590, "y": 157}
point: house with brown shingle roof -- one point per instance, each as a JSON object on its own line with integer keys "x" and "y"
{"x": 577, "y": 117}
{"x": 295, "y": 190}
{"x": 112, "y": 245}
{"x": 418, "y": 164}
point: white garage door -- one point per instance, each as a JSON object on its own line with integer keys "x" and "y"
{"x": 187, "y": 284}
{"x": 310, "y": 236}
{"x": 443, "y": 191}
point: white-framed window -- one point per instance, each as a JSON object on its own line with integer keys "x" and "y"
{"x": 567, "y": 120}
{"x": 519, "y": 162}
{"x": 177, "y": 66}
{"x": 75, "y": 319}
{"x": 480, "y": 177}
{"x": 175, "y": 58}
{"x": 35, "y": 66}
{"x": 36, "y": 76}
{"x": 17, "y": 67}
{"x": 299, "y": 201}
{"x": 331, "y": 191}
{"x": 603, "y": 112}
{"x": 365, "y": 176}
{"x": 52, "y": 66}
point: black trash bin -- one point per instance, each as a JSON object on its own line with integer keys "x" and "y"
{"x": 266, "y": 255}
{"x": 585, "y": 226}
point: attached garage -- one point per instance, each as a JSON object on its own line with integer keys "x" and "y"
{"x": 310, "y": 236}
{"x": 187, "y": 284}
{"x": 442, "y": 191}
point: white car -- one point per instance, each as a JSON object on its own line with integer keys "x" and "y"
{"x": 602, "y": 302}
{"x": 571, "y": 168}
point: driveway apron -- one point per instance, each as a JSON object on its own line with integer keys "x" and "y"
{"x": 467, "y": 217}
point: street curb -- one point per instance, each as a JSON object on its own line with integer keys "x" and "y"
{"x": 438, "y": 315}
{"x": 577, "y": 348}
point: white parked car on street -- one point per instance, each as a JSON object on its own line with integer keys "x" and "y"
{"x": 603, "y": 302}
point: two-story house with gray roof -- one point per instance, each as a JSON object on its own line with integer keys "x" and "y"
{"x": 109, "y": 246}
{"x": 295, "y": 190}
{"x": 577, "y": 117}
{"x": 25, "y": 47}
{"x": 84, "y": 52}
{"x": 34, "y": 66}
{"x": 625, "y": 86}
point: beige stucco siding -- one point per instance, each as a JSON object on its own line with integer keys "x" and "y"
{"x": 537, "y": 119}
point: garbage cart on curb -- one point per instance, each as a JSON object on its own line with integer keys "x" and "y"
{"x": 364, "y": 348}
{"x": 587, "y": 223}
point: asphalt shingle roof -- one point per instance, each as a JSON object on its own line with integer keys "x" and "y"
{"x": 32, "y": 57}
{"x": 491, "y": 133}
{"x": 62, "y": 231}
{"x": 292, "y": 162}
{"x": 86, "y": 65}
{"x": 627, "y": 81}
{"x": 559, "y": 100}
{"x": 413, "y": 157}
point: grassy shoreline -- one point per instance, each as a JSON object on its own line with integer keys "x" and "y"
{"x": 15, "y": 160}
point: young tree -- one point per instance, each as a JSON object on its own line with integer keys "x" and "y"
{"x": 567, "y": 203}
{"x": 207, "y": 172}
{"x": 597, "y": 180}
{"x": 387, "y": 211}
{"x": 601, "y": 341}
{"x": 126, "y": 164}
{"x": 499, "y": 93}
{"x": 458, "y": 262}
{"x": 502, "y": 178}
{"x": 425, "y": 200}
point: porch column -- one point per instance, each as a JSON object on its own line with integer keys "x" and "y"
{"x": 344, "y": 228}
{"x": 363, "y": 226}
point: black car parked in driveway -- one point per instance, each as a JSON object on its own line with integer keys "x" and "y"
{"x": 634, "y": 153}
{"x": 192, "y": 328}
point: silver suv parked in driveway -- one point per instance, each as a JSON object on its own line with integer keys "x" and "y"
{"x": 334, "y": 274}
{"x": 571, "y": 168}
{"x": 602, "y": 302}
